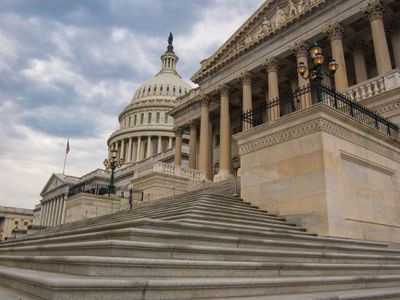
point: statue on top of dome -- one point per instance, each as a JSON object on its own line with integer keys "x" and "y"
{"x": 170, "y": 40}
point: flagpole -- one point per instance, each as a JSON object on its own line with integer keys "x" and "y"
{"x": 65, "y": 157}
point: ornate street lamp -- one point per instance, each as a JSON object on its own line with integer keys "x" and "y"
{"x": 112, "y": 163}
{"x": 318, "y": 71}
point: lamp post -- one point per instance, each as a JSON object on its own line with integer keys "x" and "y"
{"x": 318, "y": 71}
{"x": 112, "y": 163}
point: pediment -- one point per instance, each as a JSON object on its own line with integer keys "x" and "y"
{"x": 271, "y": 18}
{"x": 53, "y": 183}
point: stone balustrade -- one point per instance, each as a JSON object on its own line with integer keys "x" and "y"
{"x": 178, "y": 171}
{"x": 374, "y": 86}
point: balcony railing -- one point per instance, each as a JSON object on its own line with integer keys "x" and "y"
{"x": 321, "y": 93}
{"x": 163, "y": 168}
{"x": 374, "y": 86}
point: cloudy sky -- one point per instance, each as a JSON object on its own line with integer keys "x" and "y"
{"x": 68, "y": 67}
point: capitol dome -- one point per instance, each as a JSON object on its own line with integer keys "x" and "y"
{"x": 145, "y": 127}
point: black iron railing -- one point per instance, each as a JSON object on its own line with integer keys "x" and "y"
{"x": 102, "y": 189}
{"x": 320, "y": 93}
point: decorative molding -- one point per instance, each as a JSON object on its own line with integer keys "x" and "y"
{"x": 300, "y": 49}
{"x": 314, "y": 126}
{"x": 264, "y": 24}
{"x": 246, "y": 77}
{"x": 374, "y": 10}
{"x": 335, "y": 31}
{"x": 271, "y": 64}
{"x": 224, "y": 89}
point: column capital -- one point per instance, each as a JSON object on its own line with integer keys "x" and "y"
{"x": 334, "y": 31}
{"x": 271, "y": 64}
{"x": 204, "y": 101}
{"x": 178, "y": 130}
{"x": 300, "y": 49}
{"x": 224, "y": 89}
{"x": 374, "y": 10}
{"x": 246, "y": 77}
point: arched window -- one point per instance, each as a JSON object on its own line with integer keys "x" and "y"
{"x": 129, "y": 124}
{"x": 157, "y": 117}
{"x": 141, "y": 118}
{"x": 135, "y": 120}
{"x": 149, "y": 119}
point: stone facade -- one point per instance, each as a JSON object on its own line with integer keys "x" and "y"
{"x": 14, "y": 221}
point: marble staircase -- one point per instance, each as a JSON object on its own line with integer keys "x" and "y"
{"x": 205, "y": 244}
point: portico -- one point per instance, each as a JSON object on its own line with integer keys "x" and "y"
{"x": 256, "y": 67}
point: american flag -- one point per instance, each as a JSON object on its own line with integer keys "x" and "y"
{"x": 67, "y": 148}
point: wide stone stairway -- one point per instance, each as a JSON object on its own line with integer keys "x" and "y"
{"x": 205, "y": 244}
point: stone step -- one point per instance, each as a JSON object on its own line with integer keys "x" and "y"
{"x": 64, "y": 286}
{"x": 122, "y": 231}
{"x": 200, "y": 220}
{"x": 155, "y": 212}
{"x": 208, "y": 211}
{"x": 117, "y": 248}
{"x": 111, "y": 238}
{"x": 224, "y": 218}
{"x": 185, "y": 268}
{"x": 364, "y": 294}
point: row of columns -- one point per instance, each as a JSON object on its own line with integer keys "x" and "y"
{"x": 300, "y": 49}
{"x": 136, "y": 150}
{"x": 53, "y": 211}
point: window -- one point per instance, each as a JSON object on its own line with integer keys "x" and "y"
{"x": 149, "y": 119}
{"x": 15, "y": 222}
{"x": 129, "y": 121}
{"x": 158, "y": 118}
{"x": 167, "y": 88}
{"x": 141, "y": 118}
{"x": 165, "y": 118}
{"x": 26, "y": 223}
{"x": 135, "y": 120}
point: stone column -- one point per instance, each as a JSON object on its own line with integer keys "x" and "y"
{"x": 134, "y": 150}
{"x": 139, "y": 146}
{"x": 247, "y": 97}
{"x": 360, "y": 66}
{"x": 300, "y": 49}
{"x": 43, "y": 214}
{"x": 57, "y": 212}
{"x": 129, "y": 159}
{"x": 63, "y": 209}
{"x": 159, "y": 145}
{"x": 148, "y": 154}
{"x": 169, "y": 143}
{"x": 225, "y": 151}
{"x": 204, "y": 135}
{"x": 375, "y": 12}
{"x": 193, "y": 145}
{"x": 335, "y": 33}
{"x": 122, "y": 152}
{"x": 46, "y": 213}
{"x": 178, "y": 146}
{"x": 51, "y": 213}
{"x": 210, "y": 170}
{"x": 53, "y": 217}
{"x": 395, "y": 39}
{"x": 271, "y": 65}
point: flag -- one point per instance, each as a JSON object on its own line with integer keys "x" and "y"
{"x": 67, "y": 149}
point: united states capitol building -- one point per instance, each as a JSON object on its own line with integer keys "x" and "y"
{"x": 277, "y": 177}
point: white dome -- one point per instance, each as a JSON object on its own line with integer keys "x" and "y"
{"x": 163, "y": 84}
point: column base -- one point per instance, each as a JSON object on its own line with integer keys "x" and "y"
{"x": 223, "y": 175}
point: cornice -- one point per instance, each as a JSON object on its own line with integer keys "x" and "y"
{"x": 240, "y": 44}
{"x": 319, "y": 124}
